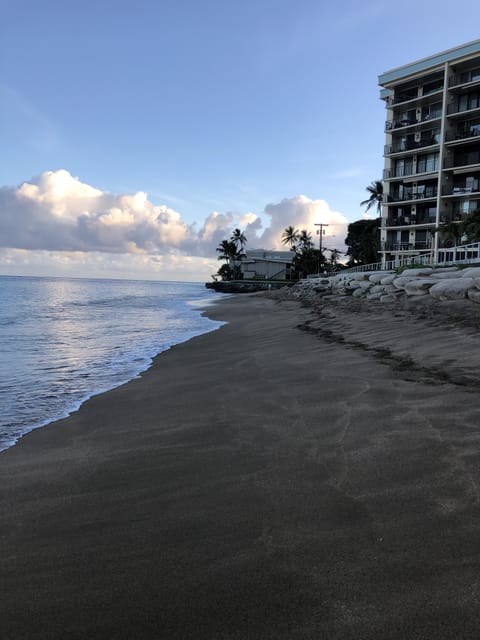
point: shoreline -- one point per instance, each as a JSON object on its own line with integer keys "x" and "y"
{"x": 285, "y": 476}
{"x": 134, "y": 373}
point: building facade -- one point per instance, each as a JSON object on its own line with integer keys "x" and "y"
{"x": 260, "y": 264}
{"x": 432, "y": 151}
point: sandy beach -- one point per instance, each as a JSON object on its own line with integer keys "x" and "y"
{"x": 301, "y": 473}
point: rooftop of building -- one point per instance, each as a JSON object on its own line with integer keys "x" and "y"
{"x": 424, "y": 64}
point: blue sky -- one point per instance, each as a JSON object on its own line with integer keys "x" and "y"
{"x": 221, "y": 113}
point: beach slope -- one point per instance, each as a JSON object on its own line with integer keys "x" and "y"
{"x": 293, "y": 475}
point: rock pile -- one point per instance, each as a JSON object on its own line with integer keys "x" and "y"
{"x": 447, "y": 283}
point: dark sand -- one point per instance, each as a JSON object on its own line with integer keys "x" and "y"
{"x": 264, "y": 481}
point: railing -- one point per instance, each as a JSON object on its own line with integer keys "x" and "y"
{"x": 409, "y": 146}
{"x": 462, "y": 160}
{"x": 459, "y": 190}
{"x": 406, "y": 246}
{"x": 463, "y": 134}
{"x": 429, "y": 192}
{"x": 399, "y": 172}
{"x": 465, "y": 254}
{"x": 464, "y": 78}
{"x": 402, "y": 172}
{"x": 454, "y": 108}
{"x": 408, "y": 122}
{"x": 409, "y": 221}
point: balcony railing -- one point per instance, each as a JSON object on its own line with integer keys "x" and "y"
{"x": 399, "y": 147}
{"x": 407, "y": 122}
{"x": 464, "y": 208}
{"x": 419, "y": 194}
{"x": 406, "y": 246}
{"x": 454, "y": 108}
{"x": 462, "y": 160}
{"x": 399, "y": 172}
{"x": 464, "y": 78}
{"x": 408, "y": 221}
{"x": 461, "y": 134}
{"x": 459, "y": 190}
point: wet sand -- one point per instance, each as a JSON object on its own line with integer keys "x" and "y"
{"x": 299, "y": 473}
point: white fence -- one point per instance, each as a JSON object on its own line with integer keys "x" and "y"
{"x": 464, "y": 254}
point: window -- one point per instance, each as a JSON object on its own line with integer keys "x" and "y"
{"x": 427, "y": 162}
{"x": 403, "y": 167}
{"x": 470, "y": 76}
{"x": 430, "y": 87}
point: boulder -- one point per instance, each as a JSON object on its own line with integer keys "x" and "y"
{"x": 377, "y": 277}
{"x": 376, "y": 288}
{"x": 445, "y": 275}
{"x": 452, "y": 289}
{"x": 358, "y": 293}
{"x": 471, "y": 272}
{"x": 425, "y": 271}
{"x": 360, "y": 276}
{"x": 402, "y": 281}
{"x": 474, "y": 295}
{"x": 419, "y": 286}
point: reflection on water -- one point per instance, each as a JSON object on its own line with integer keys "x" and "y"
{"x": 64, "y": 339}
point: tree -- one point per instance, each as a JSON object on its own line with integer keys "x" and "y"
{"x": 363, "y": 242}
{"x": 465, "y": 231}
{"x": 304, "y": 241}
{"x": 238, "y": 237}
{"x": 291, "y": 236}
{"x": 227, "y": 250}
{"x": 375, "y": 189}
{"x": 231, "y": 251}
{"x": 308, "y": 261}
{"x": 470, "y": 226}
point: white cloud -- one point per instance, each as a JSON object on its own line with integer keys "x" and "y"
{"x": 304, "y": 213}
{"x": 57, "y": 221}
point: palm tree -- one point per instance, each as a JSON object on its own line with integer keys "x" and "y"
{"x": 239, "y": 238}
{"x": 305, "y": 240}
{"x": 375, "y": 189}
{"x": 291, "y": 236}
{"x": 227, "y": 250}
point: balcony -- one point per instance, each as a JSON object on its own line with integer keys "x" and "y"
{"x": 399, "y": 172}
{"x": 402, "y": 147}
{"x": 470, "y": 133}
{"x": 461, "y": 209}
{"x": 407, "y": 246}
{"x": 412, "y": 94}
{"x": 467, "y": 159}
{"x": 402, "y": 123}
{"x": 470, "y": 78}
{"x": 421, "y": 193}
{"x": 455, "y": 109}
{"x": 460, "y": 190}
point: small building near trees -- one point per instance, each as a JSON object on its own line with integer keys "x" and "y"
{"x": 263, "y": 264}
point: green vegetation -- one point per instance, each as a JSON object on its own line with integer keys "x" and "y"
{"x": 232, "y": 252}
{"x": 363, "y": 242}
{"x": 463, "y": 231}
{"x": 375, "y": 199}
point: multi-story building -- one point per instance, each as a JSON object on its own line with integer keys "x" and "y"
{"x": 432, "y": 150}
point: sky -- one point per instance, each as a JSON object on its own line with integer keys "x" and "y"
{"x": 135, "y": 136}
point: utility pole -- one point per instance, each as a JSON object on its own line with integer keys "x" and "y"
{"x": 320, "y": 233}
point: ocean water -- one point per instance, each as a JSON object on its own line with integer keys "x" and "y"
{"x": 63, "y": 340}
